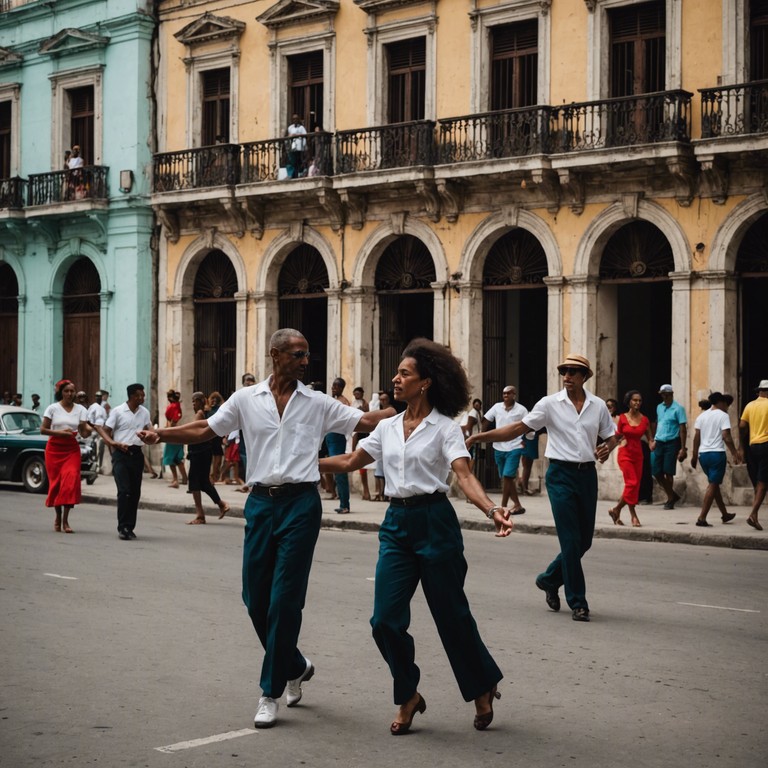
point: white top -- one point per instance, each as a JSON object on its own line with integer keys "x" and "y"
{"x": 60, "y": 419}
{"x": 499, "y": 414}
{"x": 125, "y": 423}
{"x": 234, "y": 436}
{"x": 359, "y": 404}
{"x": 476, "y": 415}
{"x": 711, "y": 424}
{"x": 296, "y": 129}
{"x": 283, "y": 450}
{"x": 75, "y": 162}
{"x": 571, "y": 436}
{"x": 97, "y": 414}
{"x": 420, "y": 464}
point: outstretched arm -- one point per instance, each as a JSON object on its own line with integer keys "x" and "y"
{"x": 368, "y": 421}
{"x": 194, "y": 432}
{"x": 499, "y": 435}
{"x": 472, "y": 489}
{"x": 345, "y": 462}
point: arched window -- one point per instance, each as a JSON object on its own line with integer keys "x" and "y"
{"x": 81, "y": 304}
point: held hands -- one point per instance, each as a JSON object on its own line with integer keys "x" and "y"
{"x": 502, "y": 521}
{"x": 148, "y": 436}
{"x": 470, "y": 441}
{"x": 602, "y": 452}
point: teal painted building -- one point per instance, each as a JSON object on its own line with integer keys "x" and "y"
{"x": 77, "y": 262}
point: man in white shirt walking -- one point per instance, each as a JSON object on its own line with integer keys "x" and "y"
{"x": 574, "y": 419}
{"x": 283, "y": 423}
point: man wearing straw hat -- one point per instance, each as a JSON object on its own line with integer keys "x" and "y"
{"x": 574, "y": 419}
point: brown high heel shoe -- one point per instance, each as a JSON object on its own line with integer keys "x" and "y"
{"x": 398, "y": 729}
{"x": 484, "y": 720}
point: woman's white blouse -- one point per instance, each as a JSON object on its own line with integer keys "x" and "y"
{"x": 421, "y": 464}
{"x": 60, "y": 419}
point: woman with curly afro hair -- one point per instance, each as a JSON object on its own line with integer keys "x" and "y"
{"x": 420, "y": 538}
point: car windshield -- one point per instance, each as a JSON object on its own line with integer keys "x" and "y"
{"x": 21, "y": 422}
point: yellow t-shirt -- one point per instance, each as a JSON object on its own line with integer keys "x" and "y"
{"x": 756, "y": 415}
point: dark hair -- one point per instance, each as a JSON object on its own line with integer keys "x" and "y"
{"x": 59, "y": 388}
{"x": 629, "y": 395}
{"x": 339, "y": 380}
{"x": 131, "y": 389}
{"x": 719, "y": 397}
{"x": 614, "y": 401}
{"x": 449, "y": 392}
{"x": 705, "y": 405}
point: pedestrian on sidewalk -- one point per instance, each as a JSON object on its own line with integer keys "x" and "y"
{"x": 574, "y": 419}
{"x": 200, "y": 455}
{"x": 753, "y": 437}
{"x": 712, "y": 432}
{"x": 283, "y": 423}
{"x": 420, "y": 539}
{"x": 121, "y": 434}
{"x": 173, "y": 455}
{"x": 670, "y": 436}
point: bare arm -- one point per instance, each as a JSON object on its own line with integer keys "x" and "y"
{"x": 45, "y": 429}
{"x": 345, "y": 462}
{"x": 683, "y": 441}
{"x": 728, "y": 440}
{"x": 471, "y": 487}
{"x": 368, "y": 421}
{"x": 603, "y": 451}
{"x": 508, "y": 432}
{"x": 696, "y": 444}
{"x": 743, "y": 438}
{"x": 195, "y": 432}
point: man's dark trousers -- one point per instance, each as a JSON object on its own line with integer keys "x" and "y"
{"x": 127, "y": 469}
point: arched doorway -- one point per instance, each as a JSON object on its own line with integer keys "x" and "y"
{"x": 9, "y": 329}
{"x": 215, "y": 325}
{"x": 635, "y": 313}
{"x": 82, "y": 326}
{"x": 752, "y": 271}
{"x": 514, "y": 327}
{"x": 303, "y": 305}
{"x": 405, "y": 298}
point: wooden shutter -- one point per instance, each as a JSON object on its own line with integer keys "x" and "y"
{"x": 306, "y": 88}
{"x": 514, "y": 65}
{"x": 407, "y": 79}
{"x": 216, "y": 99}
{"x": 638, "y": 49}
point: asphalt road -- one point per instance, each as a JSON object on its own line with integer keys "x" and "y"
{"x": 127, "y": 653}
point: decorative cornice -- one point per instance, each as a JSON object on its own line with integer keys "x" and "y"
{"x": 377, "y": 6}
{"x": 71, "y": 40}
{"x": 209, "y": 27}
{"x": 291, "y": 12}
{"x": 9, "y": 58}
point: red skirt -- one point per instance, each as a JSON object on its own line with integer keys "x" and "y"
{"x": 62, "y": 462}
{"x": 233, "y": 452}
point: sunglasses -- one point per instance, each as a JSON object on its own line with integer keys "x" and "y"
{"x": 299, "y": 355}
{"x": 570, "y": 371}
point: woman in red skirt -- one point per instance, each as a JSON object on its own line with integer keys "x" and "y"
{"x": 62, "y": 421}
{"x": 631, "y": 426}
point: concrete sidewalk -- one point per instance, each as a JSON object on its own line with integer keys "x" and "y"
{"x": 677, "y": 526}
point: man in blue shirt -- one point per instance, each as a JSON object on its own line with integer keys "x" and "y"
{"x": 671, "y": 437}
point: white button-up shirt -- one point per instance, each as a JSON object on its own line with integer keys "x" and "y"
{"x": 501, "y": 416}
{"x": 125, "y": 423}
{"x": 571, "y": 436}
{"x": 97, "y": 414}
{"x": 283, "y": 450}
{"x": 421, "y": 463}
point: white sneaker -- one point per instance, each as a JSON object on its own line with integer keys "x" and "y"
{"x": 266, "y": 713}
{"x": 293, "y": 695}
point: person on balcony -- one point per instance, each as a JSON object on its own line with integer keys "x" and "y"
{"x": 76, "y": 176}
{"x": 296, "y": 147}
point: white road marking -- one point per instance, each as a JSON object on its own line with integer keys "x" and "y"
{"x": 181, "y": 745}
{"x": 720, "y": 607}
{"x": 59, "y": 576}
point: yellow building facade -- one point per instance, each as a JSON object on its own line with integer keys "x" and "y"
{"x": 517, "y": 179}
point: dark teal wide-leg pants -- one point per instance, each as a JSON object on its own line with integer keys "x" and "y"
{"x": 280, "y": 538}
{"x": 424, "y": 543}
{"x": 573, "y": 498}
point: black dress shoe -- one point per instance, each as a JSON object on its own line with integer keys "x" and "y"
{"x": 580, "y": 614}
{"x": 703, "y": 523}
{"x": 550, "y": 595}
{"x": 131, "y": 535}
{"x": 124, "y": 535}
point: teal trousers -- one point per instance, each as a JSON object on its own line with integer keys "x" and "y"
{"x": 573, "y": 498}
{"x": 280, "y": 538}
{"x": 424, "y": 544}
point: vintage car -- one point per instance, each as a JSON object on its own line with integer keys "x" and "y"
{"x": 22, "y": 450}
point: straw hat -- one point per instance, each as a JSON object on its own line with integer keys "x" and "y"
{"x": 576, "y": 361}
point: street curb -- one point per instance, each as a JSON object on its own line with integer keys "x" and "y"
{"x": 736, "y": 541}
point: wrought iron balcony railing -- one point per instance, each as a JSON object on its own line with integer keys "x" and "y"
{"x": 12, "y": 192}
{"x": 626, "y": 121}
{"x": 493, "y": 135}
{"x": 213, "y": 166}
{"x": 86, "y": 183}
{"x": 287, "y": 158}
{"x": 400, "y": 145}
{"x": 734, "y": 110}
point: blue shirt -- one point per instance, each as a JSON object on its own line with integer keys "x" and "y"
{"x": 668, "y": 420}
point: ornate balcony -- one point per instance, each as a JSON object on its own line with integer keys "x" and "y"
{"x": 86, "y": 183}
{"x": 494, "y": 135}
{"x": 384, "y": 147}
{"x": 275, "y": 159}
{"x": 200, "y": 168}
{"x": 13, "y": 192}
{"x": 627, "y": 121}
{"x": 734, "y": 110}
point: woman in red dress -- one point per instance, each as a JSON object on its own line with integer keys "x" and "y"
{"x": 631, "y": 426}
{"x": 62, "y": 420}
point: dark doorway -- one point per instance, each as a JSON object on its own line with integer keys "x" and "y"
{"x": 637, "y": 260}
{"x": 216, "y": 106}
{"x": 82, "y": 116}
{"x": 405, "y": 297}
{"x": 215, "y": 325}
{"x": 303, "y": 305}
{"x": 82, "y": 326}
{"x": 306, "y": 89}
{"x": 752, "y": 271}
{"x": 9, "y": 329}
{"x": 514, "y": 327}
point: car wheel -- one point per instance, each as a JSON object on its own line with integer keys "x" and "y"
{"x": 34, "y": 476}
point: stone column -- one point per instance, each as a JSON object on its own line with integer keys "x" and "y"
{"x": 681, "y": 337}
{"x": 722, "y": 291}
{"x": 441, "y": 309}
{"x": 361, "y": 302}
{"x": 334, "y": 339}
{"x": 241, "y": 325}
{"x": 267, "y": 319}
{"x": 467, "y": 341}
{"x": 53, "y": 339}
{"x": 555, "y": 335}
{"x": 583, "y": 331}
